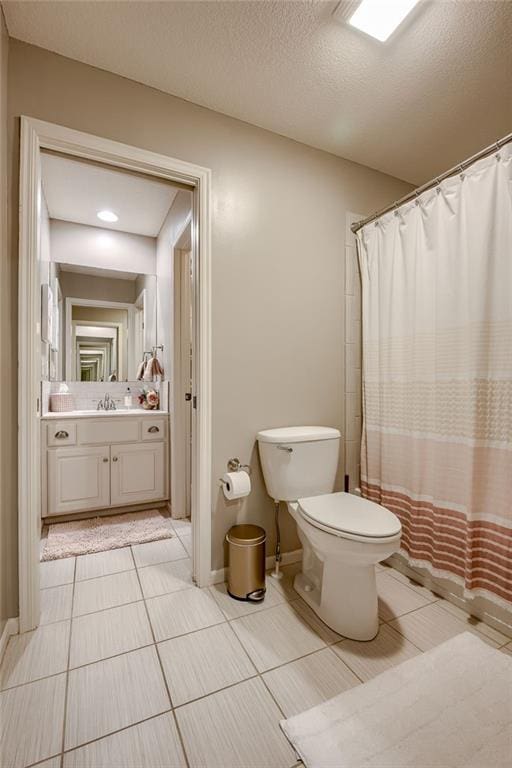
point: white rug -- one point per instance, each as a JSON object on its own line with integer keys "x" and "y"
{"x": 81, "y": 537}
{"x": 448, "y": 708}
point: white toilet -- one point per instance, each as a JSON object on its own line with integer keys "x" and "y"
{"x": 343, "y": 536}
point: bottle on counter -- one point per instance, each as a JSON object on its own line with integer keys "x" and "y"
{"x": 128, "y": 400}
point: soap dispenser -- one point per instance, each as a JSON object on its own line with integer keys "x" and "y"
{"x": 128, "y": 400}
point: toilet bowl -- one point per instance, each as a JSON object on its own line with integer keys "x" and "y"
{"x": 343, "y": 536}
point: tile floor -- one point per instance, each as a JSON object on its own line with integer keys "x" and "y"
{"x": 134, "y": 667}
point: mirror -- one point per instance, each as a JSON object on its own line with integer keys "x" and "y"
{"x": 101, "y": 322}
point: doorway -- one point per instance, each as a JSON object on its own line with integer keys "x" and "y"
{"x": 37, "y": 136}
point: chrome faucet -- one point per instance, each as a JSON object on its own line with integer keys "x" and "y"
{"x": 107, "y": 404}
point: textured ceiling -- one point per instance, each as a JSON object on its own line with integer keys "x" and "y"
{"x": 438, "y": 91}
{"x": 76, "y": 191}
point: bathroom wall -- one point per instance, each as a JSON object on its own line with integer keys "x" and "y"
{"x": 103, "y": 248}
{"x": 169, "y": 232}
{"x": 79, "y": 286}
{"x": 278, "y": 255}
{"x": 8, "y": 373}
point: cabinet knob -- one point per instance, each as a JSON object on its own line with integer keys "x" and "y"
{"x": 115, "y": 458}
{"x": 61, "y": 434}
{"x": 105, "y": 459}
{"x": 153, "y": 429}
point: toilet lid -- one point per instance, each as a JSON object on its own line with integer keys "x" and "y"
{"x": 353, "y": 515}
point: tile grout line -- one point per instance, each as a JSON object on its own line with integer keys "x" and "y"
{"x": 148, "y": 617}
{"x": 456, "y": 618}
{"x": 113, "y": 733}
{"x": 286, "y": 601}
{"x": 67, "y": 673}
{"x": 229, "y": 621}
{"x": 258, "y": 674}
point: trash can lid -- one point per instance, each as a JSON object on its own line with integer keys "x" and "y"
{"x": 246, "y": 534}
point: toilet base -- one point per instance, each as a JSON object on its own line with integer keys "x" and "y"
{"x": 346, "y": 601}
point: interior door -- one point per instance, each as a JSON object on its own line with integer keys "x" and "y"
{"x": 78, "y": 479}
{"x": 186, "y": 370}
{"x": 138, "y": 473}
{"x": 183, "y": 388}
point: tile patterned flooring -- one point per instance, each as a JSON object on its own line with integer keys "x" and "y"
{"x": 134, "y": 667}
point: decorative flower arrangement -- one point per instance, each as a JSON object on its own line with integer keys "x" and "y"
{"x": 149, "y": 399}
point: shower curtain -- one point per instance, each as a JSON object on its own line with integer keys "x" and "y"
{"x": 437, "y": 374}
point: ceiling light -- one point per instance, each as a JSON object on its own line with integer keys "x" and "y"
{"x": 380, "y": 18}
{"x": 109, "y": 216}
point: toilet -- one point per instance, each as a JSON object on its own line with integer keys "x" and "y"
{"x": 343, "y": 536}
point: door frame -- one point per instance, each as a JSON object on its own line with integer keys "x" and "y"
{"x": 37, "y": 135}
{"x": 179, "y": 432}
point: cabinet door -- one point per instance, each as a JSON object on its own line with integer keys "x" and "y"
{"x": 138, "y": 473}
{"x": 78, "y": 479}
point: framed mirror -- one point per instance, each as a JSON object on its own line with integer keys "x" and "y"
{"x": 102, "y": 323}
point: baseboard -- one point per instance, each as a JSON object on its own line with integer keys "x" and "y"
{"x": 11, "y": 628}
{"x": 287, "y": 558}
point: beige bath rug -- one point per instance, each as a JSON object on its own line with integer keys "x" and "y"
{"x": 82, "y": 537}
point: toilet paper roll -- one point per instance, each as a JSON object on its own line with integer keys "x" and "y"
{"x": 236, "y": 485}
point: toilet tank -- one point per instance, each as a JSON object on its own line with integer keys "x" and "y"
{"x": 299, "y": 461}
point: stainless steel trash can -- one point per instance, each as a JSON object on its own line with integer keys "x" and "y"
{"x": 246, "y": 572}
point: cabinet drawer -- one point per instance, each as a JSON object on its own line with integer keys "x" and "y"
{"x": 61, "y": 433}
{"x": 153, "y": 429}
{"x": 100, "y": 431}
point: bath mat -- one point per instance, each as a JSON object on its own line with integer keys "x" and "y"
{"x": 82, "y": 537}
{"x": 448, "y": 708}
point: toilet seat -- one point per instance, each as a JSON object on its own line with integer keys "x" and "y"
{"x": 350, "y": 517}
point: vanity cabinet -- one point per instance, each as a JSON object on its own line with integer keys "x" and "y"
{"x": 137, "y": 473}
{"x": 78, "y": 479}
{"x": 127, "y": 467}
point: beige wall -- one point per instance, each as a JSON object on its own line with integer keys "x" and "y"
{"x": 102, "y": 248}
{"x": 278, "y": 253}
{"x": 79, "y": 286}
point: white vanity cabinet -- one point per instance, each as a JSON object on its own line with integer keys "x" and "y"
{"x": 78, "y": 479}
{"x": 137, "y": 473}
{"x": 100, "y": 462}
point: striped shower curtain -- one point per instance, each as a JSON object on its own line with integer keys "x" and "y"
{"x": 437, "y": 375}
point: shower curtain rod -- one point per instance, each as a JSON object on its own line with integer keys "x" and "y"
{"x": 415, "y": 192}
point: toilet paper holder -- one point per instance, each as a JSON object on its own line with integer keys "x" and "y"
{"x": 235, "y": 465}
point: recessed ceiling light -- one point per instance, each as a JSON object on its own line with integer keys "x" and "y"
{"x": 380, "y": 18}
{"x": 109, "y": 216}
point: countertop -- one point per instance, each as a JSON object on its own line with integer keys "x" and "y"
{"x": 102, "y": 414}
